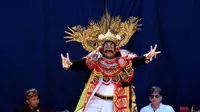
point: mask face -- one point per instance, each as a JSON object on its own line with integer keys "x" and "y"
{"x": 109, "y": 49}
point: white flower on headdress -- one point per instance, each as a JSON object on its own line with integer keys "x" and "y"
{"x": 118, "y": 37}
{"x": 101, "y": 37}
{"x": 109, "y": 34}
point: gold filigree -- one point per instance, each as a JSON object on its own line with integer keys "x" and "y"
{"x": 88, "y": 37}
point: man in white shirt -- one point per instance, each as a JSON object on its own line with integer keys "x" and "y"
{"x": 156, "y": 105}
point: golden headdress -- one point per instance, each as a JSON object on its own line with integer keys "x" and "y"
{"x": 93, "y": 36}
{"x": 109, "y": 37}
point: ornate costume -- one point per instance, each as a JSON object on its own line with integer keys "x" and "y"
{"x": 110, "y": 77}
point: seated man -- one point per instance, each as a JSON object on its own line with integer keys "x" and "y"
{"x": 32, "y": 101}
{"x": 156, "y": 105}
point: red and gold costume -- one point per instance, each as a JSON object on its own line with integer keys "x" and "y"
{"x": 115, "y": 73}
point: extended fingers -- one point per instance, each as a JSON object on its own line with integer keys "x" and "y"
{"x": 155, "y": 47}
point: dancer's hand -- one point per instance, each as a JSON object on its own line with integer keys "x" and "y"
{"x": 152, "y": 53}
{"x": 66, "y": 63}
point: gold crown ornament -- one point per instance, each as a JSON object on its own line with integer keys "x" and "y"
{"x": 97, "y": 33}
{"x": 109, "y": 37}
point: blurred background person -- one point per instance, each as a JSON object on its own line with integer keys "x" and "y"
{"x": 156, "y": 105}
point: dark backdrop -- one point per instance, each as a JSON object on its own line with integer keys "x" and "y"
{"x": 32, "y": 40}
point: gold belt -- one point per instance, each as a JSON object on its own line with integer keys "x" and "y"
{"x": 110, "y": 98}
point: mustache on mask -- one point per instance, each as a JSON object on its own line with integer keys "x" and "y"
{"x": 109, "y": 51}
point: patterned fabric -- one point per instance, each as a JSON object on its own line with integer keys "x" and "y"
{"x": 121, "y": 97}
{"x": 112, "y": 71}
